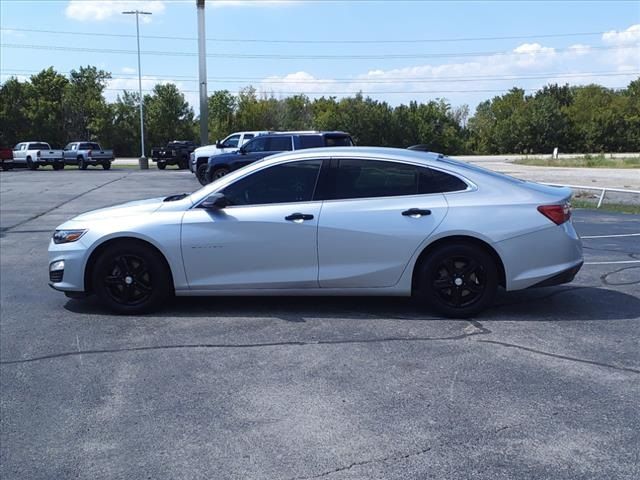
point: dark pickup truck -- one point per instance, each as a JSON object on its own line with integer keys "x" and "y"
{"x": 265, "y": 145}
{"x": 175, "y": 153}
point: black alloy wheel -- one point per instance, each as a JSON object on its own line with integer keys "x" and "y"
{"x": 106, "y": 165}
{"x": 131, "y": 278}
{"x": 161, "y": 165}
{"x": 459, "y": 280}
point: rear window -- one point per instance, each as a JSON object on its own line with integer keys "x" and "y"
{"x": 89, "y": 146}
{"x": 38, "y": 146}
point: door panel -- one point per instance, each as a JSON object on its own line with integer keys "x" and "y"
{"x": 251, "y": 247}
{"x": 369, "y": 242}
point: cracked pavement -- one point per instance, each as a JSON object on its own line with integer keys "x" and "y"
{"x": 543, "y": 385}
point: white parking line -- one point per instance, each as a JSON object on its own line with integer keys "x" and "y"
{"x": 611, "y": 263}
{"x": 611, "y": 236}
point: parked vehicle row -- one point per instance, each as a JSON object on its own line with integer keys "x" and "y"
{"x": 35, "y": 154}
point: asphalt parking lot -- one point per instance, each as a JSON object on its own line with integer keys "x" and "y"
{"x": 546, "y": 384}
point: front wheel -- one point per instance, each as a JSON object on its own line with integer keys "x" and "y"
{"x": 201, "y": 174}
{"x": 458, "y": 280}
{"x": 161, "y": 165}
{"x": 130, "y": 278}
{"x": 218, "y": 173}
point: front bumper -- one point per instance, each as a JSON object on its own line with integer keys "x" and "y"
{"x": 72, "y": 277}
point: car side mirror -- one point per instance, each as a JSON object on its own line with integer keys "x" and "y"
{"x": 215, "y": 201}
{"x": 242, "y": 150}
{"x": 219, "y": 144}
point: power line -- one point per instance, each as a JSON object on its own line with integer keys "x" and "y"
{"x": 389, "y": 80}
{"x": 319, "y": 42}
{"x": 309, "y": 57}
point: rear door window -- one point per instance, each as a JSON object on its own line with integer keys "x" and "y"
{"x": 374, "y": 178}
{"x": 311, "y": 141}
{"x": 338, "y": 141}
{"x": 280, "y": 144}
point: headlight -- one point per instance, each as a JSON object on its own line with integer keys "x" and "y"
{"x": 67, "y": 236}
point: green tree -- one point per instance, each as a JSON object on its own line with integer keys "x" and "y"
{"x": 86, "y": 111}
{"x": 222, "y": 105}
{"x": 45, "y": 107}
{"x": 15, "y": 125}
{"x": 168, "y": 116}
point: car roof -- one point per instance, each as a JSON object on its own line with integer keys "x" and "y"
{"x": 390, "y": 153}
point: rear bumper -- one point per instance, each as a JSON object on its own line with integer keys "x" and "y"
{"x": 545, "y": 257}
{"x": 49, "y": 161}
{"x": 563, "y": 277}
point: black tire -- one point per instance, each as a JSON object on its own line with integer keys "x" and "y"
{"x": 82, "y": 165}
{"x": 130, "y": 278}
{"x": 201, "y": 174}
{"x": 58, "y": 166}
{"x": 183, "y": 164}
{"x": 31, "y": 165}
{"x": 106, "y": 165}
{"x": 217, "y": 173}
{"x": 162, "y": 165}
{"x": 458, "y": 280}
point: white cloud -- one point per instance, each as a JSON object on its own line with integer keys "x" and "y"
{"x": 128, "y": 70}
{"x": 471, "y": 81}
{"x": 630, "y": 35}
{"x": 98, "y": 10}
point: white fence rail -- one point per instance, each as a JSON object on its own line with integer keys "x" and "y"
{"x": 603, "y": 190}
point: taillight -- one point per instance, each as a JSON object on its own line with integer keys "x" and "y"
{"x": 38, "y": 153}
{"x": 558, "y": 214}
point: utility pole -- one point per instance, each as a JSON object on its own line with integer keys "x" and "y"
{"x": 202, "y": 67}
{"x": 143, "y": 162}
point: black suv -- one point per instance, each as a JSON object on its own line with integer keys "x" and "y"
{"x": 265, "y": 145}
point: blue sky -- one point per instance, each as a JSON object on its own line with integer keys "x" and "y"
{"x": 428, "y": 65}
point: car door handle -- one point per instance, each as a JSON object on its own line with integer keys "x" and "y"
{"x": 299, "y": 217}
{"x": 416, "y": 212}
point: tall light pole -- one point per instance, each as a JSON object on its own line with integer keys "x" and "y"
{"x": 143, "y": 162}
{"x": 202, "y": 64}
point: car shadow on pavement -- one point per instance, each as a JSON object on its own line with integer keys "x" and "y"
{"x": 551, "y": 303}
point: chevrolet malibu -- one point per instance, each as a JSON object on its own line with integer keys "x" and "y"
{"x": 327, "y": 221}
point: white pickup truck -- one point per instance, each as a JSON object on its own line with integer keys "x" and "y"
{"x": 199, "y": 158}
{"x": 34, "y": 154}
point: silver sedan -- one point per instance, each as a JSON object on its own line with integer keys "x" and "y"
{"x": 329, "y": 221}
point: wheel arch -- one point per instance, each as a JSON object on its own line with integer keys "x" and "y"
{"x": 465, "y": 239}
{"x": 99, "y": 249}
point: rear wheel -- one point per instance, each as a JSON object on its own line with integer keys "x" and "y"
{"x": 458, "y": 280}
{"x": 106, "y": 165}
{"x": 130, "y": 278}
{"x": 183, "y": 164}
{"x": 162, "y": 165}
{"x": 31, "y": 165}
{"x": 218, "y": 173}
{"x": 82, "y": 165}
